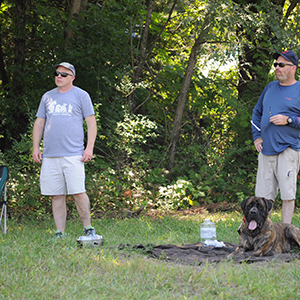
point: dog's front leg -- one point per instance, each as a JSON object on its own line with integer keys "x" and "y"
{"x": 245, "y": 245}
{"x": 261, "y": 244}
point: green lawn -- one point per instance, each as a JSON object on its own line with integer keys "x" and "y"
{"x": 35, "y": 266}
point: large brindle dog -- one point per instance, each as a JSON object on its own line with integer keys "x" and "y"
{"x": 259, "y": 236}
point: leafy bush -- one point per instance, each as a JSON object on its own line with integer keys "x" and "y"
{"x": 132, "y": 176}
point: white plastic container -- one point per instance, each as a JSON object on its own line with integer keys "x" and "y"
{"x": 91, "y": 241}
{"x": 208, "y": 231}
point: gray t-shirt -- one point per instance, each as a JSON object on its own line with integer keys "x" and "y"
{"x": 64, "y": 114}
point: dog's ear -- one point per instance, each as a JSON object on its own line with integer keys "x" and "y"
{"x": 269, "y": 204}
{"x": 243, "y": 204}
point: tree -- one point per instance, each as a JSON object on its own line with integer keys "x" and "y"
{"x": 211, "y": 21}
{"x": 146, "y": 50}
{"x": 183, "y": 95}
{"x": 13, "y": 81}
{"x": 75, "y": 7}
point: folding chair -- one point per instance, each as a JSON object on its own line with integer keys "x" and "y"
{"x": 3, "y": 179}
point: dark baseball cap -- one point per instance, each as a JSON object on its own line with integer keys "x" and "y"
{"x": 66, "y": 65}
{"x": 288, "y": 55}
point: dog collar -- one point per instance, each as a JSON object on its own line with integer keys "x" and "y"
{"x": 239, "y": 229}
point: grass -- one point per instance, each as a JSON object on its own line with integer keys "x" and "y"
{"x": 35, "y": 266}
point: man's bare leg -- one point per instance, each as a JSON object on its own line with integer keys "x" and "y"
{"x": 83, "y": 208}
{"x": 287, "y": 211}
{"x": 59, "y": 210}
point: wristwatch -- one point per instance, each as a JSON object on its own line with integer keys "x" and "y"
{"x": 289, "y": 120}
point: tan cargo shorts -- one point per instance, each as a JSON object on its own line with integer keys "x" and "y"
{"x": 278, "y": 172}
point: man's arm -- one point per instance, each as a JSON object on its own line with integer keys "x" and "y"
{"x": 37, "y": 133}
{"x": 283, "y": 120}
{"x": 91, "y": 138}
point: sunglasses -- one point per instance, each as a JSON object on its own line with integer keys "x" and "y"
{"x": 281, "y": 65}
{"x": 63, "y": 74}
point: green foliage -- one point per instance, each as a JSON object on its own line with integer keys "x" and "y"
{"x": 23, "y": 186}
{"x": 135, "y": 130}
{"x": 204, "y": 176}
{"x": 178, "y": 195}
{"x": 215, "y": 159}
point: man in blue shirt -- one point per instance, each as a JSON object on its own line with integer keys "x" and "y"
{"x": 276, "y": 134}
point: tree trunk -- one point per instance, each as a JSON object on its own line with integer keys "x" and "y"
{"x": 183, "y": 95}
{"x": 3, "y": 72}
{"x": 137, "y": 74}
{"x": 75, "y": 8}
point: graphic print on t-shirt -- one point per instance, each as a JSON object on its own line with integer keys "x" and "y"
{"x": 60, "y": 109}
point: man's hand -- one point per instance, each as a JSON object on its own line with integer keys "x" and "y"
{"x": 87, "y": 155}
{"x": 37, "y": 156}
{"x": 279, "y": 120}
{"x": 258, "y": 144}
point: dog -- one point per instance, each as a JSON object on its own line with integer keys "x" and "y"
{"x": 259, "y": 236}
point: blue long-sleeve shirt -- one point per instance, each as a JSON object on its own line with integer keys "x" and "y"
{"x": 277, "y": 99}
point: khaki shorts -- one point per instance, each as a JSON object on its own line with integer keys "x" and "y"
{"x": 278, "y": 172}
{"x": 62, "y": 176}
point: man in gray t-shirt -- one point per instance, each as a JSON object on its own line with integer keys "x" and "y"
{"x": 60, "y": 122}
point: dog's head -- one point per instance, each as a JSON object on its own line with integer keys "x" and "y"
{"x": 256, "y": 211}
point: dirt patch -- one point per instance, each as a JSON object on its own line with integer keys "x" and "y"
{"x": 196, "y": 210}
{"x": 154, "y": 213}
